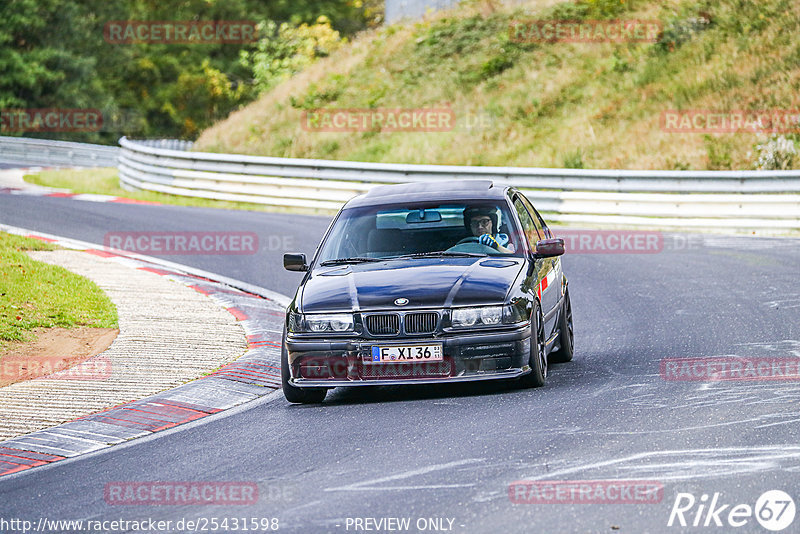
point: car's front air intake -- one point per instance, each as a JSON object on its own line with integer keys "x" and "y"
{"x": 384, "y": 324}
{"x": 421, "y": 323}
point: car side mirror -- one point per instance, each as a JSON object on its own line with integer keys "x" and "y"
{"x": 548, "y": 248}
{"x": 294, "y": 261}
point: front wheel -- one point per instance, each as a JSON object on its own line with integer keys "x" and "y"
{"x": 294, "y": 394}
{"x": 537, "y": 359}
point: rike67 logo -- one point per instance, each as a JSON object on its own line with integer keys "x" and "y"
{"x": 774, "y": 510}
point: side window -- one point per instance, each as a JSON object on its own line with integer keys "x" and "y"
{"x": 544, "y": 231}
{"x": 547, "y": 233}
{"x": 528, "y": 225}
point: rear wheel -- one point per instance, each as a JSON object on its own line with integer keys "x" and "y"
{"x": 566, "y": 340}
{"x": 537, "y": 359}
{"x": 295, "y": 394}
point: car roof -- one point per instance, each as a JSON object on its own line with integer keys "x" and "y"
{"x": 440, "y": 190}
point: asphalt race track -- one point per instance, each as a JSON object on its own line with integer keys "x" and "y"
{"x": 445, "y": 457}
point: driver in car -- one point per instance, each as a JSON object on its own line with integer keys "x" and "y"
{"x": 482, "y": 223}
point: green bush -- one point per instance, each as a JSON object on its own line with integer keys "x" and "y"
{"x": 574, "y": 160}
{"x": 286, "y": 50}
{"x": 718, "y": 151}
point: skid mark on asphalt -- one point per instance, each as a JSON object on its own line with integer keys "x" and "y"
{"x": 675, "y": 429}
{"x": 785, "y": 346}
{"x": 779, "y": 298}
{"x": 678, "y": 465}
{"x": 787, "y": 419}
{"x": 647, "y": 391}
{"x": 684, "y": 464}
{"x": 793, "y": 302}
{"x": 370, "y": 485}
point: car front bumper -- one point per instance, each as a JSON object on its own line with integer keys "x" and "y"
{"x": 468, "y": 356}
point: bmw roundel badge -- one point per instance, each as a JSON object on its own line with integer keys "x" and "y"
{"x": 401, "y": 301}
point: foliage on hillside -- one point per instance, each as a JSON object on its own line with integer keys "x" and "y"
{"x": 559, "y": 104}
{"x": 53, "y": 54}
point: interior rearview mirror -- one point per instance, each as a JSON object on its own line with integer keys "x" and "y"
{"x": 423, "y": 216}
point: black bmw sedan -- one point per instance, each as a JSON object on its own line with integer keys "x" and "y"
{"x": 425, "y": 283}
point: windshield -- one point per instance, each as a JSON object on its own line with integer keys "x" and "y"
{"x": 419, "y": 229}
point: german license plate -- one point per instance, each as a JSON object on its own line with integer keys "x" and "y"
{"x": 407, "y": 353}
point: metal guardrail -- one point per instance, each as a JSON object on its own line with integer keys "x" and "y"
{"x": 45, "y": 152}
{"x": 763, "y": 200}
{"x": 170, "y": 144}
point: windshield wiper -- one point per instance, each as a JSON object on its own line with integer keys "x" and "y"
{"x": 343, "y": 261}
{"x": 442, "y": 253}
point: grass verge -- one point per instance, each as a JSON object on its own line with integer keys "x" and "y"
{"x": 34, "y": 294}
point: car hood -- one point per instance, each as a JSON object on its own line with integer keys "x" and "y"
{"x": 426, "y": 283}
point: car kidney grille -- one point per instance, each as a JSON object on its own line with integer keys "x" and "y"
{"x": 387, "y": 324}
{"x": 421, "y": 323}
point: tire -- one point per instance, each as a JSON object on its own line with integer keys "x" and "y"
{"x": 294, "y": 394}
{"x": 537, "y": 359}
{"x": 566, "y": 339}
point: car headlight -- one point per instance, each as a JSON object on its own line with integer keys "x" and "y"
{"x": 487, "y": 316}
{"x": 321, "y": 322}
{"x": 462, "y": 317}
{"x": 491, "y": 314}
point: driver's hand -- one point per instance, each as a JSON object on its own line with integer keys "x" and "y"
{"x": 487, "y": 240}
